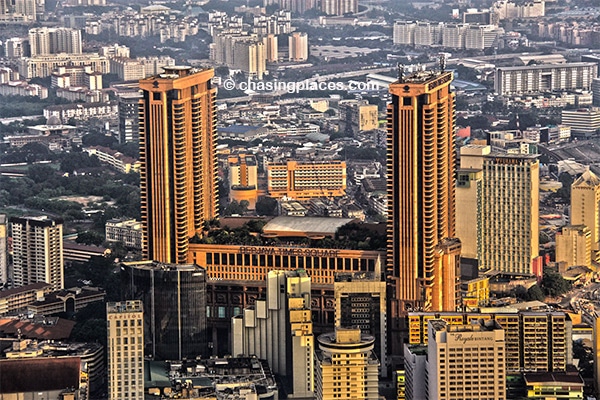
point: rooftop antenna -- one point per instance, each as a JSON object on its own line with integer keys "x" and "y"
{"x": 400, "y": 73}
{"x": 442, "y": 62}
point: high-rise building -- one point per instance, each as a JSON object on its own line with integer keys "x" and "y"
{"x": 534, "y": 340}
{"x": 468, "y": 211}
{"x": 129, "y": 116}
{"x": 37, "y": 251}
{"x": 125, "y": 350}
{"x": 360, "y": 301}
{"x": 574, "y": 245}
{"x": 271, "y": 45}
{"x": 584, "y": 122}
{"x": 339, "y": 7}
{"x": 174, "y": 299}
{"x": 508, "y": 231}
{"x": 346, "y": 366}
{"x": 421, "y": 194}
{"x": 178, "y": 177}
{"x": 477, "y": 348}
{"x": 585, "y": 207}
{"x": 279, "y": 329}
{"x": 298, "y": 47}
{"x": 3, "y": 249}
{"x": 43, "y": 41}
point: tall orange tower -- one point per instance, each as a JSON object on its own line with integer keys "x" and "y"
{"x": 178, "y": 177}
{"x": 422, "y": 254}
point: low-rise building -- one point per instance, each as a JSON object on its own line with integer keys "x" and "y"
{"x": 17, "y": 299}
{"x": 127, "y": 231}
{"x": 66, "y": 300}
{"x": 114, "y": 158}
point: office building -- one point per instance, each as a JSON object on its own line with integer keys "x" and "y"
{"x": 542, "y": 78}
{"x": 584, "y": 122}
{"x": 508, "y": 231}
{"x": 279, "y": 330}
{"x": 243, "y": 179}
{"x": 585, "y": 208}
{"x": 298, "y": 47}
{"x": 42, "y": 66}
{"x": 534, "y": 340}
{"x": 360, "y": 302}
{"x": 469, "y": 184}
{"x": 346, "y": 366}
{"x": 125, "y": 350}
{"x": 174, "y": 300}
{"x": 126, "y": 231}
{"x": 37, "y": 251}
{"x": 478, "y": 349}
{"x": 178, "y": 176}
{"x": 3, "y": 249}
{"x": 421, "y": 195}
{"x": 303, "y": 180}
{"x": 574, "y": 246}
{"x": 129, "y": 116}
{"x": 43, "y": 41}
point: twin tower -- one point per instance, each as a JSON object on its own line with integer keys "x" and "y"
{"x": 179, "y": 179}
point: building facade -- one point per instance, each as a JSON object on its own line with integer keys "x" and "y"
{"x": 279, "y": 329}
{"x": 129, "y": 116}
{"x": 127, "y": 231}
{"x": 243, "y": 178}
{"x": 585, "y": 208}
{"x": 421, "y": 194}
{"x": 43, "y": 41}
{"x": 3, "y": 249}
{"x": 574, "y": 245}
{"x": 37, "y": 251}
{"x": 178, "y": 176}
{"x": 584, "y": 122}
{"x": 510, "y": 81}
{"x": 125, "y": 350}
{"x": 174, "y": 300}
{"x": 360, "y": 301}
{"x": 346, "y": 366}
{"x": 303, "y": 180}
{"x": 298, "y": 47}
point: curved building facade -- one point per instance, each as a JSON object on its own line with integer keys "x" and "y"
{"x": 174, "y": 298}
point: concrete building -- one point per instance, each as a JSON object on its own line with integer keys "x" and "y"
{"x": 17, "y": 299}
{"x": 298, "y": 47}
{"x": 174, "y": 302}
{"x": 509, "y": 232}
{"x": 65, "y": 301}
{"x": 243, "y": 179}
{"x": 534, "y": 340}
{"x": 585, "y": 208}
{"x": 43, "y": 41}
{"x": 272, "y": 47}
{"x": 303, "y": 180}
{"x": 125, "y": 350}
{"x": 596, "y": 91}
{"x": 42, "y": 66}
{"x": 478, "y": 349}
{"x": 404, "y": 32}
{"x": 339, "y": 7}
{"x": 127, "y": 231}
{"x": 245, "y": 52}
{"x": 37, "y": 251}
{"x": 178, "y": 194}
{"x": 421, "y": 196}
{"x": 534, "y": 79}
{"x": 510, "y": 9}
{"x": 468, "y": 211}
{"x": 359, "y": 116}
{"x": 574, "y": 246}
{"x": 584, "y": 122}
{"x": 360, "y": 301}
{"x": 279, "y": 329}
{"x": 16, "y": 47}
{"x": 346, "y": 366}
{"x": 129, "y": 116}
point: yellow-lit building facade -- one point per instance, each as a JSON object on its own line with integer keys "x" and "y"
{"x": 125, "y": 322}
{"x": 304, "y": 180}
{"x": 177, "y": 153}
{"x": 534, "y": 341}
{"x": 585, "y": 207}
{"x": 421, "y": 194}
{"x": 574, "y": 245}
{"x": 243, "y": 179}
{"x": 475, "y": 293}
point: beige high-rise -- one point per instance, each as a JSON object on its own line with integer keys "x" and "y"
{"x": 125, "y": 350}
{"x": 574, "y": 245}
{"x": 585, "y": 207}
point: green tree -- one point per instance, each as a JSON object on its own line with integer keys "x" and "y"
{"x": 535, "y": 293}
{"x": 554, "y": 284}
{"x": 90, "y": 238}
{"x": 266, "y": 206}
